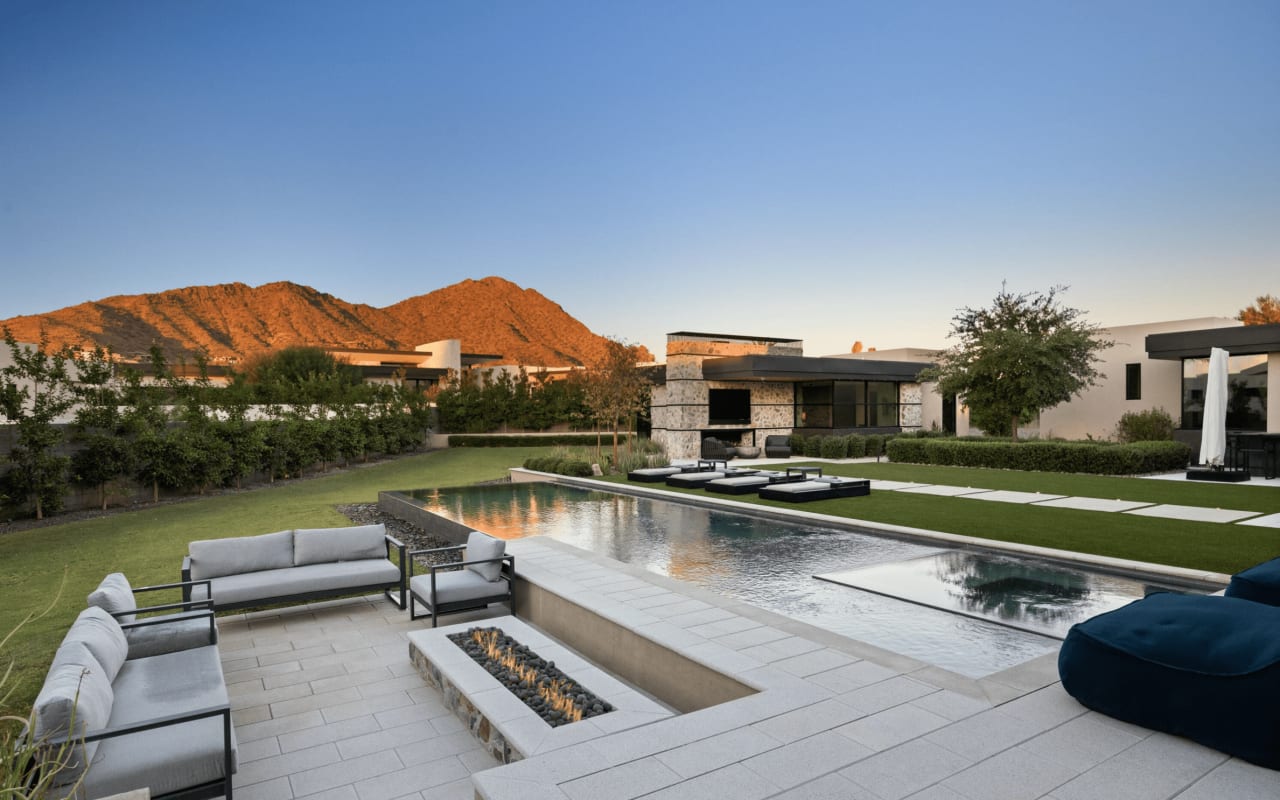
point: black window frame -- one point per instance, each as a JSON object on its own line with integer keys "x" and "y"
{"x": 1133, "y": 381}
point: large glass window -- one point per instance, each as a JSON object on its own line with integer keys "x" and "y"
{"x": 847, "y": 404}
{"x": 1246, "y": 392}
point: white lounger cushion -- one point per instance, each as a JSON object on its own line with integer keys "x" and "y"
{"x": 657, "y": 471}
{"x": 213, "y": 558}
{"x": 801, "y": 487}
{"x": 174, "y": 756}
{"x": 230, "y": 589}
{"x": 324, "y": 545}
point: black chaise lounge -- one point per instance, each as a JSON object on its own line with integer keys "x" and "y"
{"x": 823, "y": 488}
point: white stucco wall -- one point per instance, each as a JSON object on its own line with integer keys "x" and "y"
{"x": 1097, "y": 411}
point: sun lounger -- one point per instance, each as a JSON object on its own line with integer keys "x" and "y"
{"x": 748, "y": 484}
{"x": 817, "y": 489}
{"x": 660, "y": 474}
{"x": 695, "y": 480}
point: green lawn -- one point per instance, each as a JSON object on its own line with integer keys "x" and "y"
{"x": 148, "y": 545}
{"x": 1196, "y": 545}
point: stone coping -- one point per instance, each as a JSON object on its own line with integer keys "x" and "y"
{"x": 508, "y": 728}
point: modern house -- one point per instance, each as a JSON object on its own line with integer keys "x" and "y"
{"x": 740, "y": 389}
{"x": 422, "y": 367}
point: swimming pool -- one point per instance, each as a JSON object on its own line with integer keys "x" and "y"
{"x": 765, "y": 562}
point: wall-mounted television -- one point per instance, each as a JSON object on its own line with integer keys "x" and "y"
{"x": 729, "y": 406}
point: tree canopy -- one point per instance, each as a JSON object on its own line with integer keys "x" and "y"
{"x": 1025, "y": 354}
{"x": 1264, "y": 311}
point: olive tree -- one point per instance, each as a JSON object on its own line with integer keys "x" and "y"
{"x": 615, "y": 389}
{"x": 1025, "y": 354}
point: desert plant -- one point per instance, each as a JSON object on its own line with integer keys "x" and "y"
{"x": 30, "y": 765}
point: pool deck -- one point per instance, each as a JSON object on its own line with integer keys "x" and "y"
{"x": 327, "y": 705}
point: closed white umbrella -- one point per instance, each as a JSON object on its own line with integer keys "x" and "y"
{"x": 1213, "y": 432}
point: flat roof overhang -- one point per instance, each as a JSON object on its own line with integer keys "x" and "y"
{"x": 804, "y": 368}
{"x": 1248, "y": 340}
{"x": 410, "y": 373}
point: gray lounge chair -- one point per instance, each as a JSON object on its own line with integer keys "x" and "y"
{"x": 817, "y": 489}
{"x": 748, "y": 484}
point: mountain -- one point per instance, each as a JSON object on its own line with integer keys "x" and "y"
{"x": 232, "y": 321}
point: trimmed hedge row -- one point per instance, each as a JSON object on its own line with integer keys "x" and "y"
{"x": 1098, "y": 458}
{"x": 559, "y": 465}
{"x": 853, "y": 445}
{"x": 530, "y": 440}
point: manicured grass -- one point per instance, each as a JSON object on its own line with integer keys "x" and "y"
{"x": 148, "y": 545}
{"x": 1196, "y": 545}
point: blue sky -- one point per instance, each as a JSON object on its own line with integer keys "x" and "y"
{"x": 831, "y": 171}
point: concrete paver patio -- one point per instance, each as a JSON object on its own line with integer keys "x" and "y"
{"x": 327, "y": 705}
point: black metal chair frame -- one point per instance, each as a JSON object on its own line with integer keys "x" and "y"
{"x": 395, "y": 592}
{"x": 216, "y": 788}
{"x": 508, "y": 568}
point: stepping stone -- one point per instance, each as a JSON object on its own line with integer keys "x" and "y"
{"x": 1193, "y": 513}
{"x": 1013, "y": 497}
{"x": 893, "y": 486}
{"x": 1269, "y": 521}
{"x": 945, "y": 491}
{"x": 1093, "y": 504}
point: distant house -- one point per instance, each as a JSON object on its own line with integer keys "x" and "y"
{"x": 423, "y": 367}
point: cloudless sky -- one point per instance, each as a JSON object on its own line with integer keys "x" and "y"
{"x": 830, "y": 171}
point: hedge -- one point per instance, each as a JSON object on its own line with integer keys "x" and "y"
{"x": 532, "y": 440}
{"x": 1098, "y": 458}
{"x": 559, "y": 465}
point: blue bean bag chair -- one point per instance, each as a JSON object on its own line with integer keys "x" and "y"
{"x": 1207, "y": 668}
{"x": 1261, "y": 583}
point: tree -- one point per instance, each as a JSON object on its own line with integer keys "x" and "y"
{"x": 1265, "y": 311}
{"x": 615, "y": 388}
{"x": 298, "y": 375}
{"x": 1025, "y": 354}
{"x": 36, "y": 389}
{"x": 104, "y": 453}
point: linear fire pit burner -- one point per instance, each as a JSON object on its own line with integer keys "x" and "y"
{"x": 552, "y": 695}
{"x": 507, "y": 727}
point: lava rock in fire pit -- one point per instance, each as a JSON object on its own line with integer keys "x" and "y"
{"x": 554, "y": 696}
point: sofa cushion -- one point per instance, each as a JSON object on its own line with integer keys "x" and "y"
{"x": 180, "y": 631}
{"x": 76, "y": 685}
{"x": 323, "y": 545}
{"x": 115, "y": 596}
{"x": 456, "y": 586}
{"x": 253, "y": 586}
{"x": 99, "y": 631}
{"x": 172, "y": 757}
{"x": 481, "y": 546}
{"x": 1207, "y": 668}
{"x": 213, "y": 558}
{"x": 1260, "y": 583}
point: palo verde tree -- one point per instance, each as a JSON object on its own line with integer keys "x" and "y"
{"x": 1264, "y": 311}
{"x": 1023, "y": 355}
{"x": 615, "y": 389}
{"x": 35, "y": 391}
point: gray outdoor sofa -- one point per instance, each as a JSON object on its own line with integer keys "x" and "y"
{"x": 190, "y": 625}
{"x": 292, "y": 566}
{"x": 162, "y": 721}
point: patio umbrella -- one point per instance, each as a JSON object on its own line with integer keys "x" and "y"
{"x": 1213, "y": 431}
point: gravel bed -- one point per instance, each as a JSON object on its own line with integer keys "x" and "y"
{"x": 413, "y": 536}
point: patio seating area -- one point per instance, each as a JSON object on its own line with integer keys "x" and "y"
{"x": 326, "y": 700}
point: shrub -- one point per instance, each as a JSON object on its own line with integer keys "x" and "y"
{"x": 834, "y": 447}
{"x": 560, "y": 465}
{"x": 813, "y": 446}
{"x": 856, "y": 445}
{"x": 534, "y": 440}
{"x": 1100, "y": 458}
{"x": 1154, "y": 425}
{"x": 875, "y": 444}
{"x": 796, "y": 443}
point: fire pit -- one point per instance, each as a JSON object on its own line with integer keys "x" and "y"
{"x": 552, "y": 695}
{"x": 479, "y": 692}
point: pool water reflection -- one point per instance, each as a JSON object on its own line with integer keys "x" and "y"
{"x": 764, "y": 562}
